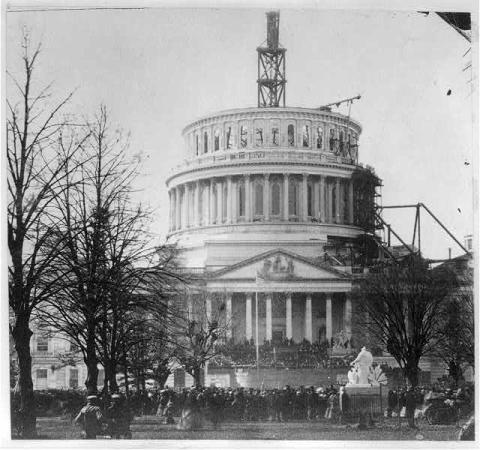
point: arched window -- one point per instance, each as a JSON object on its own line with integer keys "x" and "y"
{"x": 291, "y": 135}
{"x": 275, "y": 136}
{"x": 293, "y": 197}
{"x": 258, "y": 198}
{"x": 241, "y": 200}
{"x": 341, "y": 143}
{"x": 229, "y": 138}
{"x": 319, "y": 137}
{"x": 205, "y": 142}
{"x": 310, "y": 199}
{"x": 197, "y": 144}
{"x": 217, "y": 140}
{"x": 243, "y": 136}
{"x": 275, "y": 198}
{"x": 306, "y": 136}
{"x": 259, "y": 137}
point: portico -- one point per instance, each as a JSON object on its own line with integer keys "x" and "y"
{"x": 296, "y": 299}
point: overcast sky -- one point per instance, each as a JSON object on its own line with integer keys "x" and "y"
{"x": 157, "y": 69}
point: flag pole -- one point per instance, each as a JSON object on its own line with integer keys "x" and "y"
{"x": 256, "y": 336}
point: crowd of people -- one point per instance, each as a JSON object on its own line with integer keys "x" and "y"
{"x": 285, "y": 354}
{"x": 189, "y": 408}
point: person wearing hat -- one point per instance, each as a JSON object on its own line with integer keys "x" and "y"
{"x": 91, "y": 418}
{"x": 119, "y": 416}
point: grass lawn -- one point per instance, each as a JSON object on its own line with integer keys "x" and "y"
{"x": 150, "y": 427}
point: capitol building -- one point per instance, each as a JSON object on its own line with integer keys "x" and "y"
{"x": 268, "y": 210}
{"x": 261, "y": 194}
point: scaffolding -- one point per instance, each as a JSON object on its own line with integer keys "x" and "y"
{"x": 271, "y": 66}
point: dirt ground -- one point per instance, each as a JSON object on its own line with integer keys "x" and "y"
{"x": 151, "y": 427}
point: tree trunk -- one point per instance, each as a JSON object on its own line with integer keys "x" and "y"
{"x": 197, "y": 375}
{"x": 91, "y": 363}
{"x": 112, "y": 378}
{"x": 21, "y": 335}
{"x": 412, "y": 373}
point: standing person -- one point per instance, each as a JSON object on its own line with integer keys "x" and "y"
{"x": 344, "y": 404}
{"x": 120, "y": 418}
{"x": 410, "y": 404}
{"x": 392, "y": 401}
{"x": 91, "y": 418}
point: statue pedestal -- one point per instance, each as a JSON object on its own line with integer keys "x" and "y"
{"x": 364, "y": 398}
{"x": 362, "y": 389}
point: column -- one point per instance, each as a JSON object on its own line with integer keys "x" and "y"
{"x": 347, "y": 318}
{"x": 350, "y": 202}
{"x": 187, "y": 205}
{"x": 266, "y": 197}
{"x": 288, "y": 317}
{"x": 212, "y": 201}
{"x": 322, "y": 199}
{"x": 248, "y": 316}
{"x": 338, "y": 196}
{"x": 177, "y": 209}
{"x": 268, "y": 317}
{"x": 206, "y": 206}
{"x": 228, "y": 314}
{"x": 285, "y": 196}
{"x": 219, "y": 202}
{"x": 304, "y": 197}
{"x": 316, "y": 197}
{"x": 330, "y": 202}
{"x": 170, "y": 216}
{"x": 328, "y": 318}
{"x": 196, "y": 204}
{"x": 233, "y": 198}
{"x": 229, "y": 199}
{"x": 248, "y": 197}
{"x": 308, "y": 318}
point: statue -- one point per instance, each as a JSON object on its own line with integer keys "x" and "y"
{"x": 363, "y": 362}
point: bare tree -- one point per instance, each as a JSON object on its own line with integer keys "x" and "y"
{"x": 113, "y": 276}
{"x": 39, "y": 154}
{"x": 398, "y": 305}
{"x": 456, "y": 328}
{"x": 199, "y": 325}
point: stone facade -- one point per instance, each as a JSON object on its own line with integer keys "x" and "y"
{"x": 261, "y": 194}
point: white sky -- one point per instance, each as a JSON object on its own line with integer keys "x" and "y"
{"x": 157, "y": 69}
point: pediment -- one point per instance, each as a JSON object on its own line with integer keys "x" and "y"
{"x": 277, "y": 266}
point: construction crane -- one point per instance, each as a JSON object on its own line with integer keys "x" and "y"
{"x": 337, "y": 104}
{"x": 271, "y": 66}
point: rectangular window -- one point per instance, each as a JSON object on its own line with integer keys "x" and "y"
{"x": 73, "y": 381}
{"x": 243, "y": 136}
{"x": 74, "y": 347}
{"x": 306, "y": 136}
{"x": 42, "y": 344}
{"x": 259, "y": 137}
{"x": 229, "y": 138}
{"x": 275, "y": 137}
{"x": 42, "y": 378}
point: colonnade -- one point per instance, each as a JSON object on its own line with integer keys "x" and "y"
{"x": 307, "y": 316}
{"x": 266, "y": 197}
